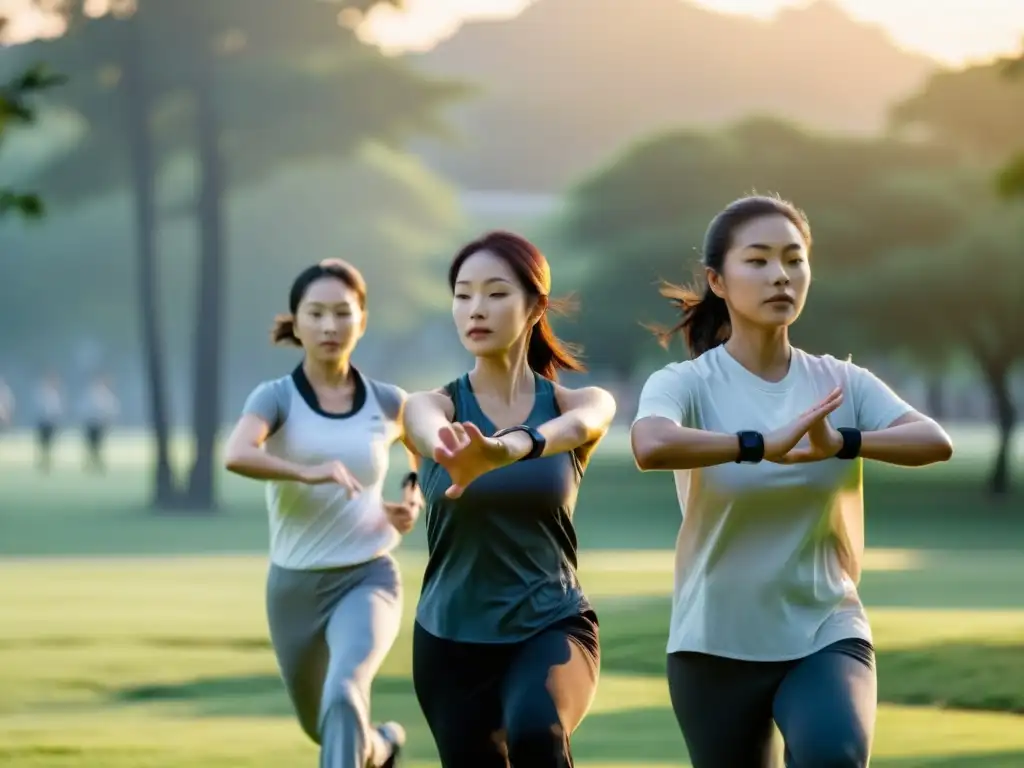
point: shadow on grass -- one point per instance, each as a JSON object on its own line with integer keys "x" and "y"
{"x": 967, "y": 675}
{"x": 1004, "y": 759}
{"x": 243, "y": 695}
{"x": 241, "y": 644}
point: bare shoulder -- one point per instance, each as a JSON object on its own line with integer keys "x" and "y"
{"x": 581, "y": 397}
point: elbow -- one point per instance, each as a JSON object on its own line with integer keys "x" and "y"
{"x": 235, "y": 461}
{"x": 645, "y": 454}
{"x": 939, "y": 445}
{"x": 943, "y": 447}
{"x": 936, "y": 450}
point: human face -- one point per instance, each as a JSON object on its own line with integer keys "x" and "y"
{"x": 329, "y": 321}
{"x": 766, "y": 274}
{"x": 492, "y": 312}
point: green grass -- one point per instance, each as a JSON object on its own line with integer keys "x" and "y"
{"x": 134, "y": 640}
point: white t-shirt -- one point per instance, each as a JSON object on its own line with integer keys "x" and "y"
{"x": 101, "y": 406}
{"x": 768, "y": 555}
{"x": 321, "y": 526}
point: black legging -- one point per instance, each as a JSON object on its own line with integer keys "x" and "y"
{"x": 823, "y": 704}
{"x": 495, "y": 705}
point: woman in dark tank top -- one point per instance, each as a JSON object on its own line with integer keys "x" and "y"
{"x": 505, "y": 648}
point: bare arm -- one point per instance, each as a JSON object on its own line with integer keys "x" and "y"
{"x": 424, "y": 415}
{"x": 913, "y": 440}
{"x": 586, "y": 415}
{"x": 244, "y": 454}
{"x": 660, "y": 443}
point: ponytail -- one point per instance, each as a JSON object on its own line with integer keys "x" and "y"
{"x": 705, "y": 318}
{"x": 546, "y": 354}
{"x": 283, "y": 331}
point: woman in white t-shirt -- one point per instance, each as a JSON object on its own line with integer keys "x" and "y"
{"x": 320, "y": 438}
{"x": 766, "y": 443}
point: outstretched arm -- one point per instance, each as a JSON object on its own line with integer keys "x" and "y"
{"x": 586, "y": 416}
{"x": 424, "y": 415}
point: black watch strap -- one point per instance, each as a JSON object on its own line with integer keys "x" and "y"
{"x": 536, "y": 437}
{"x": 851, "y": 443}
{"x": 751, "y": 447}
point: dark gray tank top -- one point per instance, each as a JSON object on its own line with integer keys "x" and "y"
{"x": 502, "y": 558}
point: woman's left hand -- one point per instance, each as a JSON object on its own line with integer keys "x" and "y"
{"x": 466, "y": 454}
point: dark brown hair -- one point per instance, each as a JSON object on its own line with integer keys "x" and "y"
{"x": 546, "y": 353}
{"x": 705, "y": 317}
{"x": 283, "y": 331}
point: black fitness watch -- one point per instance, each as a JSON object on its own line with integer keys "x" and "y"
{"x": 851, "y": 443}
{"x": 751, "y": 447}
{"x": 536, "y": 437}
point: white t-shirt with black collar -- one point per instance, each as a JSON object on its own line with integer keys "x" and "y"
{"x": 321, "y": 526}
{"x": 768, "y": 556}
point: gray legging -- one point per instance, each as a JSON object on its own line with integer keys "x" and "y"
{"x": 824, "y": 705}
{"x": 331, "y": 630}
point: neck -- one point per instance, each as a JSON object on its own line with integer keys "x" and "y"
{"x": 765, "y": 352}
{"x": 330, "y": 373}
{"x": 505, "y": 376}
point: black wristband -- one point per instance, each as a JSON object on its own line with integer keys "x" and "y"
{"x": 751, "y": 447}
{"x": 411, "y": 480}
{"x": 535, "y": 437}
{"x": 851, "y": 443}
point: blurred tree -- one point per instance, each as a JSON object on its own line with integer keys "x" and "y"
{"x": 16, "y": 110}
{"x": 642, "y": 218}
{"x": 1010, "y": 181}
{"x": 963, "y": 293}
{"x": 238, "y": 88}
{"x": 980, "y": 110}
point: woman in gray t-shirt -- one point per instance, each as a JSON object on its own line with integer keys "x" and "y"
{"x": 320, "y": 439}
{"x": 766, "y": 443}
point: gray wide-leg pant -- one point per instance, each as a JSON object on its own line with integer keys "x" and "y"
{"x": 331, "y": 630}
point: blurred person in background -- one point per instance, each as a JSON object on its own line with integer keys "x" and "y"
{"x": 49, "y": 410}
{"x": 6, "y": 406}
{"x": 506, "y": 651}
{"x": 101, "y": 409}
{"x": 321, "y": 438}
{"x": 766, "y": 443}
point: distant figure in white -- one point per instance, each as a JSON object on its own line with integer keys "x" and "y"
{"x": 6, "y": 406}
{"x": 49, "y": 410}
{"x": 101, "y": 408}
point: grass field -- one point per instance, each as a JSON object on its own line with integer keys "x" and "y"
{"x": 134, "y": 640}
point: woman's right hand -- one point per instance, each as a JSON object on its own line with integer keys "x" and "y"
{"x": 332, "y": 472}
{"x": 781, "y": 441}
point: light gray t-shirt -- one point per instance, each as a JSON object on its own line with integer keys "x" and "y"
{"x": 321, "y": 526}
{"x": 768, "y": 555}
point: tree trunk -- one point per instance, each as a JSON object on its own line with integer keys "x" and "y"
{"x": 136, "y": 104}
{"x": 208, "y": 333}
{"x": 997, "y": 376}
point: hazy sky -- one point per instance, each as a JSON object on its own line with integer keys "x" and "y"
{"x": 954, "y": 31}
